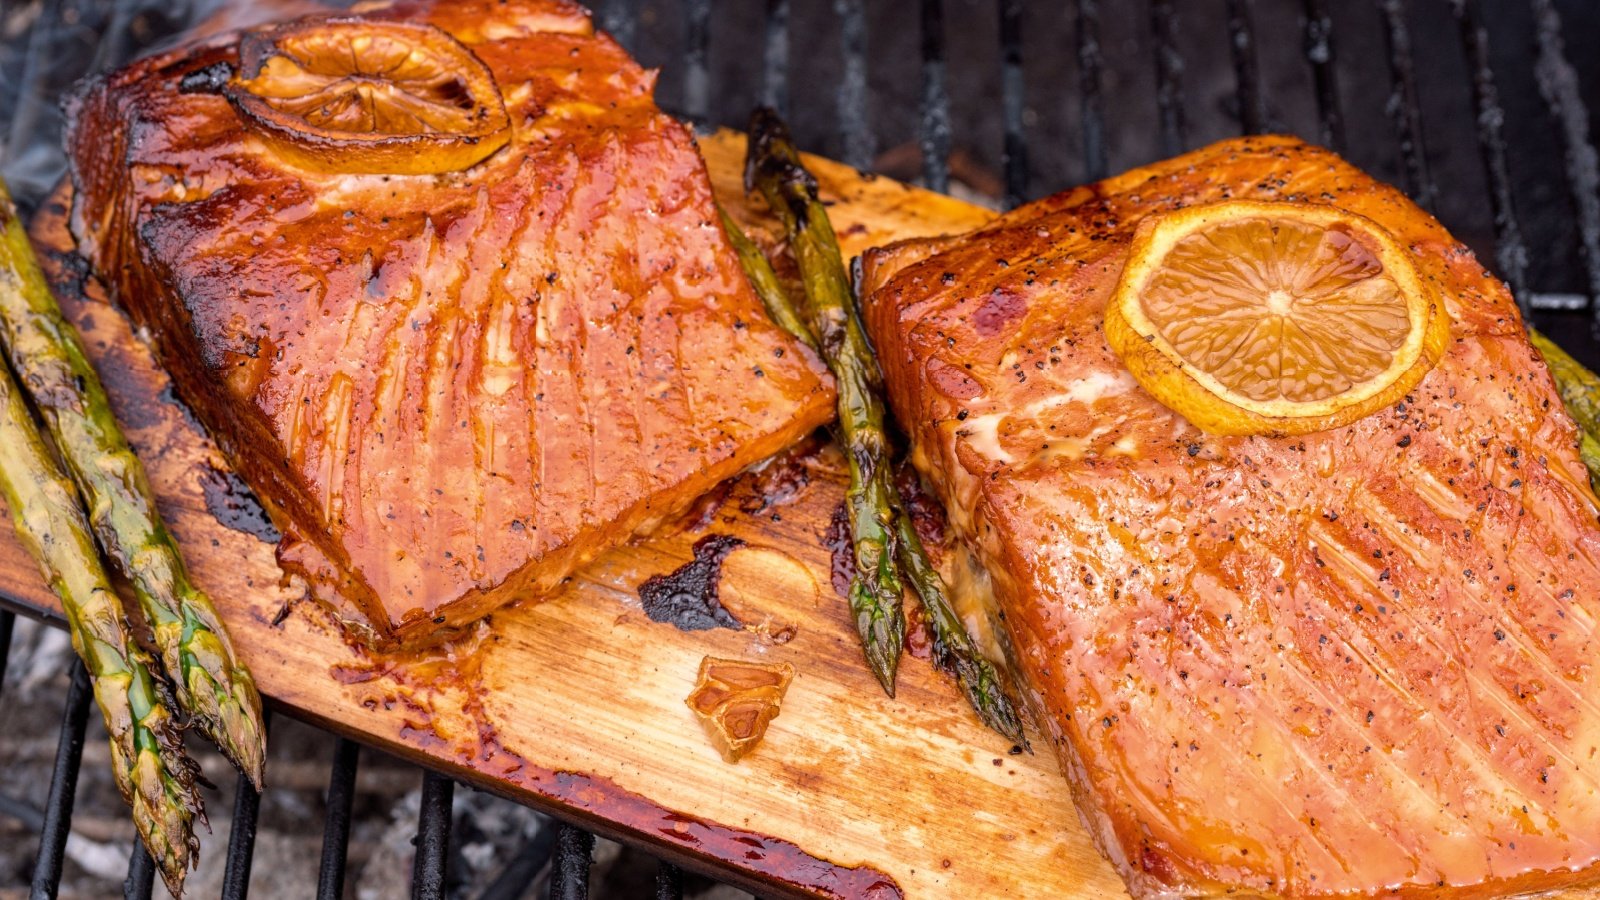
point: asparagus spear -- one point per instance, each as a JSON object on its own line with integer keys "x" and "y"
{"x": 765, "y": 281}
{"x": 953, "y": 647}
{"x": 212, "y": 687}
{"x": 773, "y": 168}
{"x": 154, "y": 774}
{"x": 1580, "y": 393}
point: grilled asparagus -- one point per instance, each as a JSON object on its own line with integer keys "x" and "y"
{"x": 953, "y": 647}
{"x": 1580, "y": 393}
{"x": 773, "y": 168}
{"x": 212, "y": 687}
{"x": 758, "y": 269}
{"x": 154, "y": 774}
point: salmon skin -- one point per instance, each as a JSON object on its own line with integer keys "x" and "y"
{"x": 1356, "y": 662}
{"x": 449, "y": 390}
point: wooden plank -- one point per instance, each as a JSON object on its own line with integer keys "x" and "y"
{"x": 575, "y": 705}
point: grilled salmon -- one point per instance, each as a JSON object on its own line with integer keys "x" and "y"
{"x": 1354, "y": 662}
{"x": 449, "y": 389}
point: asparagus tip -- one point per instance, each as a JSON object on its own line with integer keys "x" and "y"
{"x": 883, "y": 632}
{"x": 981, "y": 683}
{"x": 236, "y": 731}
{"x": 884, "y": 666}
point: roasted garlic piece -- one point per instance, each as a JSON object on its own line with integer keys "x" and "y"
{"x": 735, "y": 700}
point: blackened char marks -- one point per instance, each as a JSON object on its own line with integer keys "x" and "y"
{"x": 230, "y": 501}
{"x": 927, "y": 515}
{"x": 687, "y": 597}
{"x": 841, "y": 554}
{"x": 207, "y": 79}
{"x": 781, "y": 481}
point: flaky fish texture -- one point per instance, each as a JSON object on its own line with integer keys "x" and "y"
{"x": 450, "y": 390}
{"x": 1355, "y": 662}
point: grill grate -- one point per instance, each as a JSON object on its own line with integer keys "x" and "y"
{"x": 242, "y": 832}
{"x": 1511, "y": 255}
{"x": 141, "y": 879}
{"x": 709, "y": 89}
{"x": 433, "y": 837}
{"x": 336, "y": 825}
{"x": 63, "y": 786}
{"x": 1558, "y": 83}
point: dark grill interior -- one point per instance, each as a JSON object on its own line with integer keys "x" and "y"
{"x": 1477, "y": 108}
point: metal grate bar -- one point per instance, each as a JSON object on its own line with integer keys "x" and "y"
{"x": 63, "y": 788}
{"x": 1094, "y": 117}
{"x": 669, "y": 882}
{"x": 8, "y": 622}
{"x": 852, "y": 97}
{"x": 336, "y": 825}
{"x": 1511, "y": 254}
{"x": 242, "y": 833}
{"x": 1319, "y": 52}
{"x": 141, "y": 874}
{"x": 569, "y": 876}
{"x": 1247, "y": 71}
{"x": 1014, "y": 153}
{"x": 433, "y": 837}
{"x": 1169, "y": 76}
{"x": 1404, "y": 109}
{"x": 775, "y": 58}
{"x": 935, "y": 138}
{"x": 1558, "y": 82}
{"x": 696, "y": 60}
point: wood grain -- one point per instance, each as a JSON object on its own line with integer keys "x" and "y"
{"x": 576, "y": 705}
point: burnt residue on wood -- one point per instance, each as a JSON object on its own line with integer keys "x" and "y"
{"x": 841, "y": 553}
{"x": 233, "y": 504}
{"x": 703, "y": 512}
{"x": 687, "y": 596}
{"x": 927, "y": 515}
{"x": 780, "y": 482}
{"x": 169, "y": 396}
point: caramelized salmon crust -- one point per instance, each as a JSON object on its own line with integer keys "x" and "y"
{"x": 1355, "y": 662}
{"x": 450, "y": 390}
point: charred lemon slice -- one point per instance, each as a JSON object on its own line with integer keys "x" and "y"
{"x": 368, "y": 96}
{"x": 1273, "y": 318}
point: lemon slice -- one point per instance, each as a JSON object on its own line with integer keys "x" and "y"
{"x": 368, "y": 96}
{"x": 1273, "y": 318}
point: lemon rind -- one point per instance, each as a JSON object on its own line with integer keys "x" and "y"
{"x": 1212, "y": 406}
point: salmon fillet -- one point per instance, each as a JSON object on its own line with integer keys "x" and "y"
{"x": 450, "y": 390}
{"x": 1357, "y": 662}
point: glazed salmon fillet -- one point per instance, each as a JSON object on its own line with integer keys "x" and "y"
{"x": 450, "y": 390}
{"x": 1356, "y": 662}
